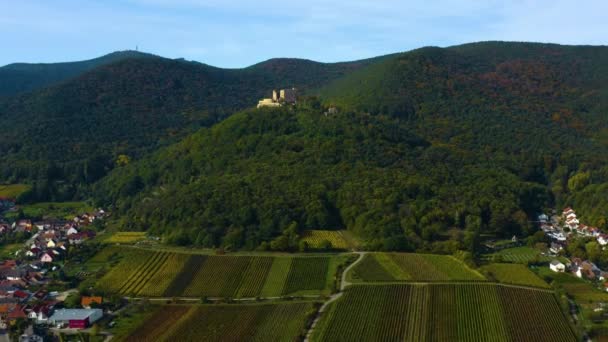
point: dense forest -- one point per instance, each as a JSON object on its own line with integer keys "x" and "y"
{"x": 425, "y": 150}
{"x": 65, "y": 137}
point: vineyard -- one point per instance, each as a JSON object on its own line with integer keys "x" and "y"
{"x": 262, "y": 322}
{"x": 126, "y": 237}
{"x": 514, "y": 274}
{"x": 379, "y": 267}
{"x": 444, "y": 312}
{"x": 338, "y": 239}
{"x": 521, "y": 255}
{"x": 141, "y": 273}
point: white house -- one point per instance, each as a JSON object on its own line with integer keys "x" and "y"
{"x": 51, "y": 243}
{"x": 71, "y": 231}
{"x": 543, "y": 218}
{"x": 557, "y": 266}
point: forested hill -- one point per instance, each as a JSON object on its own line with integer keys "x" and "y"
{"x": 76, "y": 130}
{"x": 429, "y": 150}
{"x": 24, "y": 77}
{"x": 545, "y": 104}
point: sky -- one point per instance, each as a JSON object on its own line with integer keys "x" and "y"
{"x": 239, "y": 33}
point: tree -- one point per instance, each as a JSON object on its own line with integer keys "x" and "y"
{"x": 303, "y": 246}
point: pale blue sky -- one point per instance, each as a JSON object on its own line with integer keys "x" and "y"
{"x": 240, "y": 33}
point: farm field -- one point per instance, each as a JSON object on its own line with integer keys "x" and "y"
{"x": 521, "y": 255}
{"x": 126, "y": 237}
{"x": 145, "y": 273}
{"x": 443, "y": 312}
{"x": 387, "y": 267}
{"x": 13, "y": 191}
{"x": 339, "y": 239}
{"x": 581, "y": 291}
{"x": 514, "y": 274}
{"x": 255, "y": 322}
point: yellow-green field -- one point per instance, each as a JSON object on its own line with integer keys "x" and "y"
{"x": 126, "y": 237}
{"x": 513, "y": 274}
{"x": 339, "y": 239}
{"x": 390, "y": 267}
{"x": 13, "y": 190}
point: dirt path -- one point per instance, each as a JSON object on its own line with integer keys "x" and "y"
{"x": 343, "y": 284}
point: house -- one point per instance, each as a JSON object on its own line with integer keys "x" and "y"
{"x": 12, "y": 274}
{"x": 21, "y": 295}
{"x": 86, "y": 301}
{"x": 567, "y": 211}
{"x": 586, "y": 269}
{"x": 40, "y": 312}
{"x": 557, "y": 266}
{"x": 46, "y": 257}
{"x": 12, "y": 311}
{"x": 556, "y": 248}
{"x": 51, "y": 243}
{"x": 543, "y": 218}
{"x": 602, "y": 239}
{"x": 71, "y": 231}
{"x": 76, "y": 318}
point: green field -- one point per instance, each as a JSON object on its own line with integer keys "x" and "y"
{"x": 255, "y": 322}
{"x": 521, "y": 255}
{"x": 13, "y": 191}
{"x": 514, "y": 274}
{"x": 54, "y": 210}
{"x": 339, "y": 239}
{"x": 443, "y": 312}
{"x": 580, "y": 290}
{"x": 146, "y": 273}
{"x": 388, "y": 267}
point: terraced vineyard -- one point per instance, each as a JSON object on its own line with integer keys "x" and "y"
{"x": 142, "y": 273}
{"x": 261, "y": 322}
{"x": 514, "y": 274}
{"x": 339, "y": 239}
{"x": 386, "y": 267}
{"x": 443, "y": 312}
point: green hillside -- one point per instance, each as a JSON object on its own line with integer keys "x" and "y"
{"x": 75, "y": 131}
{"x": 429, "y": 149}
{"x": 24, "y": 77}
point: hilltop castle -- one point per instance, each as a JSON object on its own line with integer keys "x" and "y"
{"x": 283, "y": 96}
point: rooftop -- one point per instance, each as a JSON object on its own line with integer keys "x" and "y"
{"x": 72, "y": 314}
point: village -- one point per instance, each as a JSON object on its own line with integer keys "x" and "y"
{"x": 31, "y": 293}
{"x": 564, "y": 229}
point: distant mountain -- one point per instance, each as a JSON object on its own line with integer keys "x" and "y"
{"x": 25, "y": 77}
{"x": 75, "y": 130}
{"x": 428, "y": 150}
